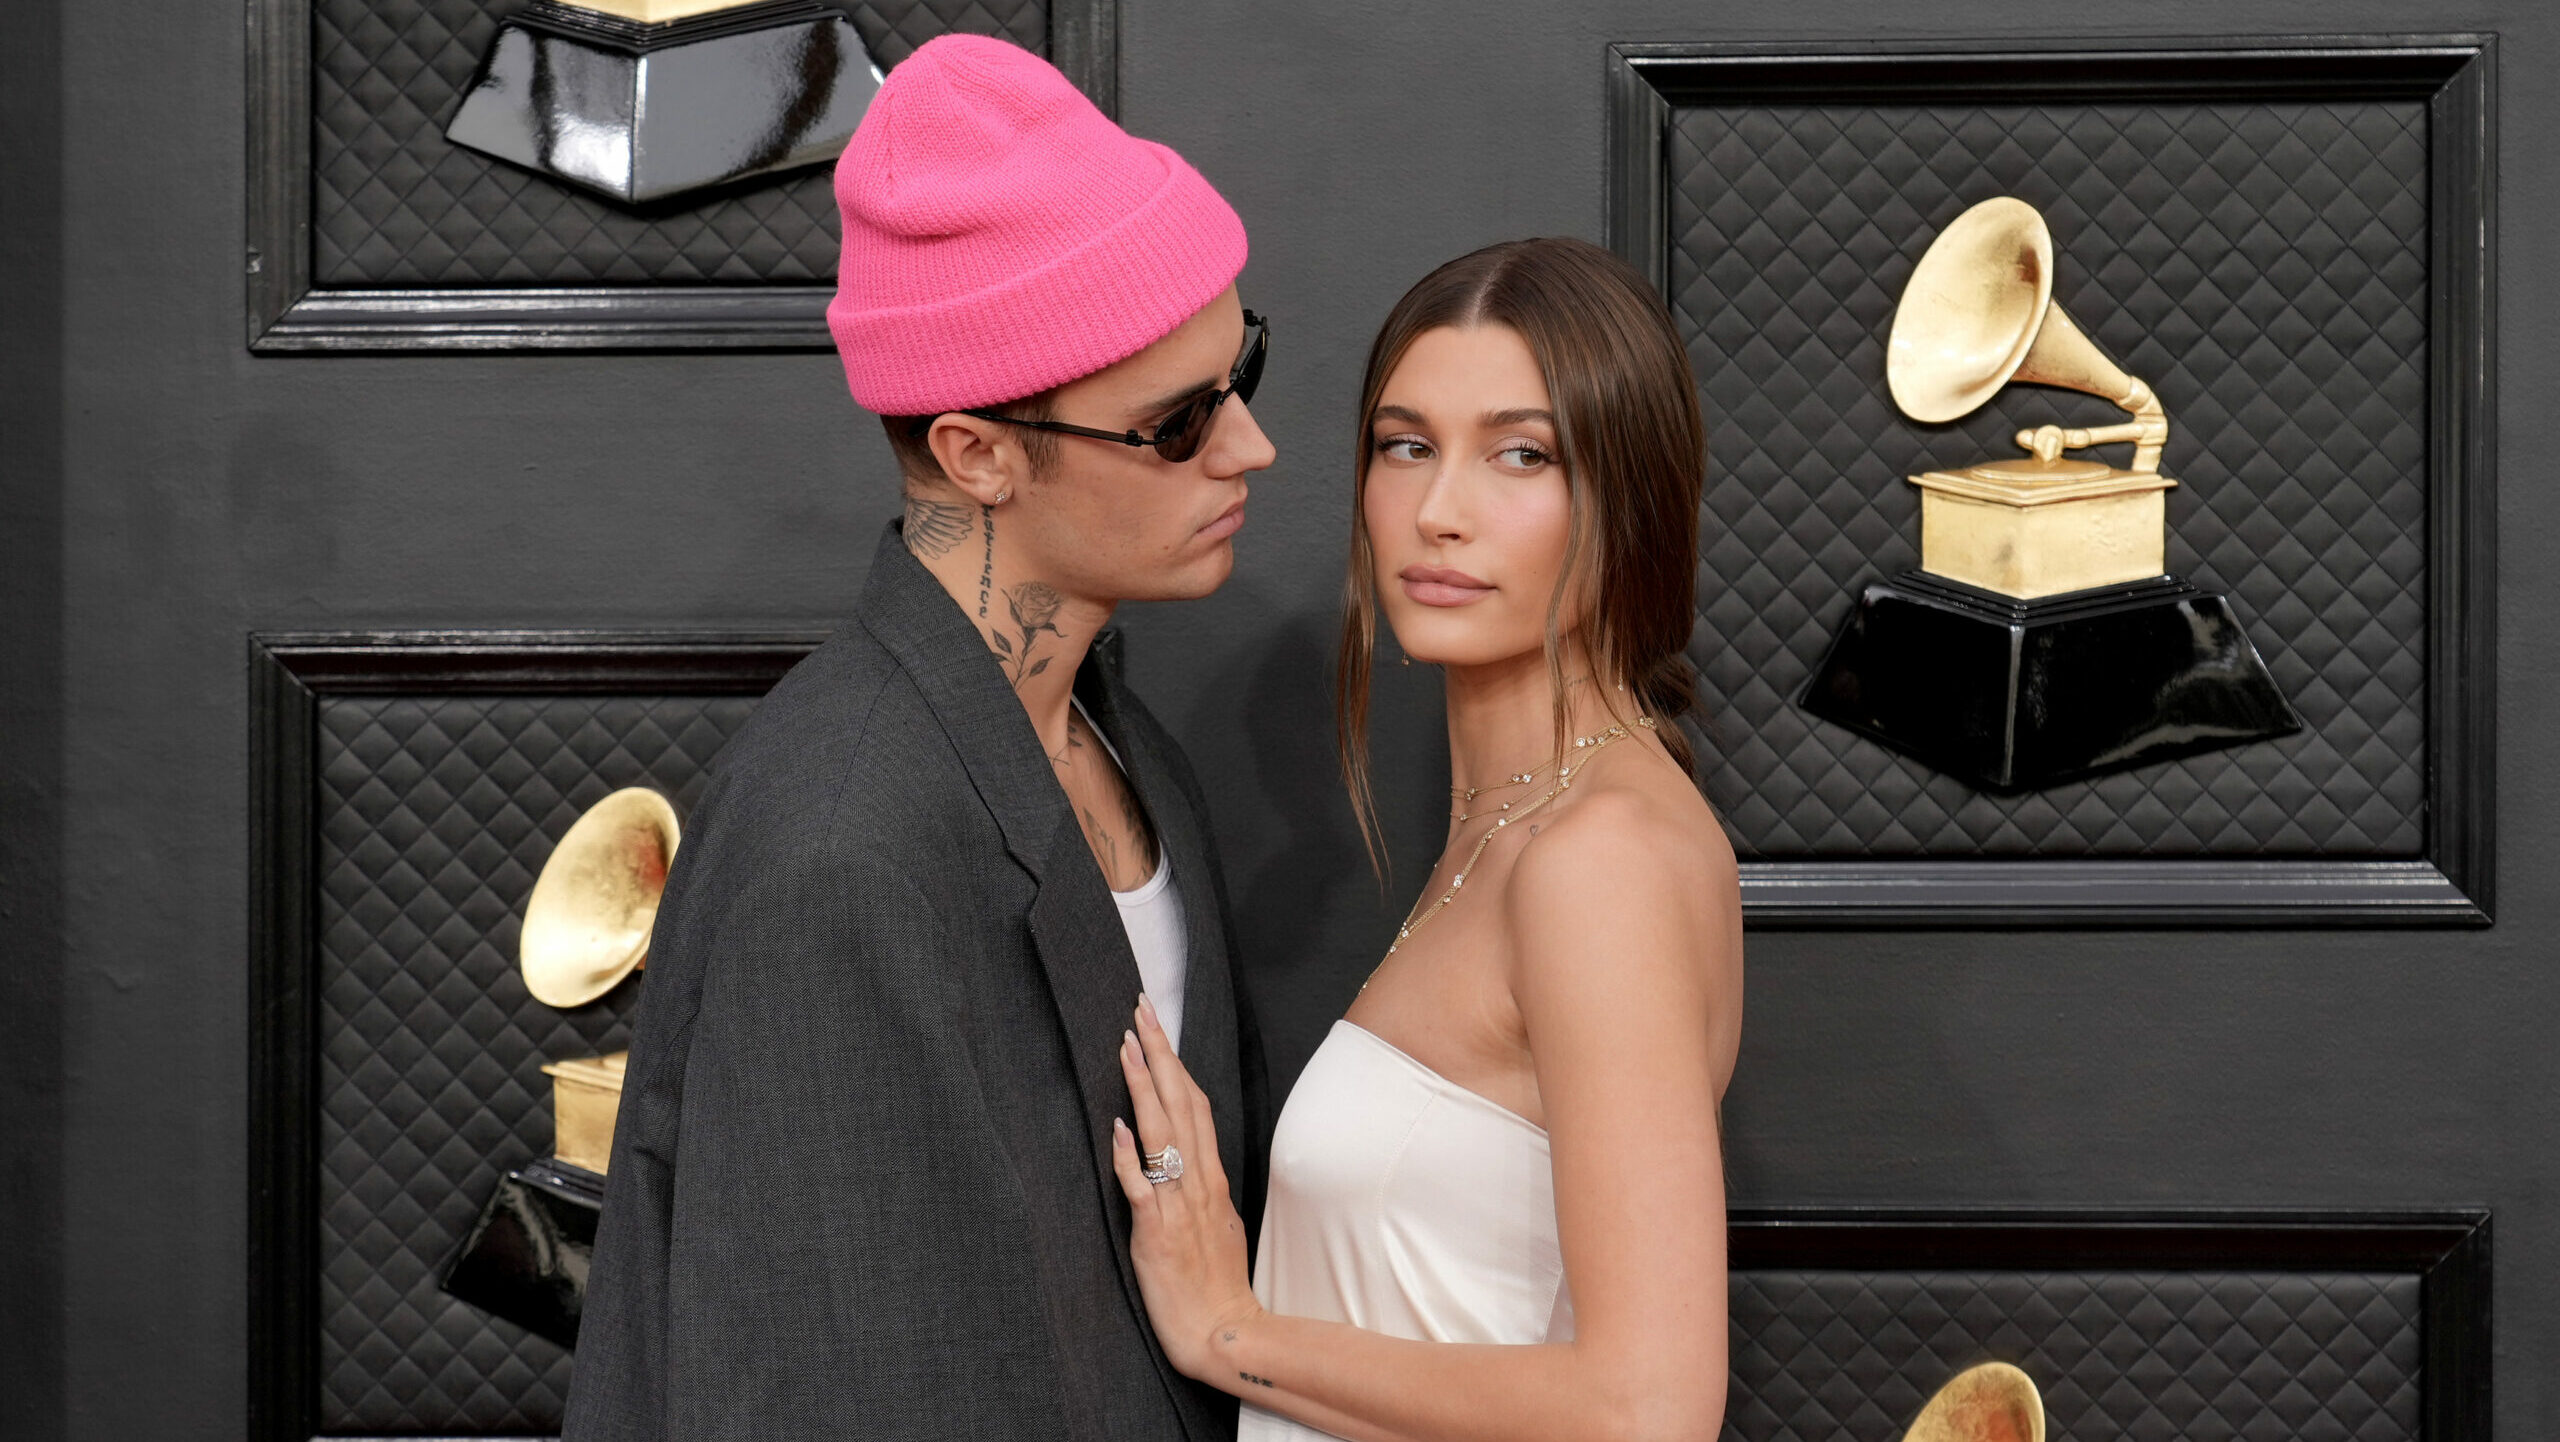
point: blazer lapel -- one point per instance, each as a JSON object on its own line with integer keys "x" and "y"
{"x": 1209, "y": 1040}
{"x": 1075, "y": 927}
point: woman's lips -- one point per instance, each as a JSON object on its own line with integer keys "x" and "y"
{"x": 1440, "y": 586}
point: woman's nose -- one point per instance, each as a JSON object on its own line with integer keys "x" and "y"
{"x": 1442, "y": 515}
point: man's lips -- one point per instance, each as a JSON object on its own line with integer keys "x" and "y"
{"x": 1229, "y": 521}
{"x": 1441, "y": 586}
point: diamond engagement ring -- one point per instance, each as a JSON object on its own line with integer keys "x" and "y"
{"x": 1161, "y": 1167}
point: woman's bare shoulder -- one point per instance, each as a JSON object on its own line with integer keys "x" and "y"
{"x": 1645, "y": 820}
{"x": 1637, "y": 857}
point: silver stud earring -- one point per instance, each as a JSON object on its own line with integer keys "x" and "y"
{"x": 1004, "y": 496}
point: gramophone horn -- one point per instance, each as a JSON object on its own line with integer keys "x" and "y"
{"x": 1994, "y": 1402}
{"x": 587, "y": 924}
{"x": 1979, "y": 312}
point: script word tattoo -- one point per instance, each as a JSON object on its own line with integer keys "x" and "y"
{"x": 934, "y": 527}
{"x": 987, "y": 572}
{"x": 1035, "y": 609}
{"x": 1257, "y": 1381}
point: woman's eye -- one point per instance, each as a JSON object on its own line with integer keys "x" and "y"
{"x": 1404, "y": 448}
{"x": 1523, "y": 456}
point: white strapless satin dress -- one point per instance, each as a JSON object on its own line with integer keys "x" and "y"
{"x": 1406, "y": 1204}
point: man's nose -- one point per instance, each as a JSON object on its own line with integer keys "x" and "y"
{"x": 1238, "y": 444}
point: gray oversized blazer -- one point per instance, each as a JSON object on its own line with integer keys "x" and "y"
{"x": 861, "y": 1185}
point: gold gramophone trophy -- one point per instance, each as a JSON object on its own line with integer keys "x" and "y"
{"x": 586, "y": 928}
{"x": 1989, "y": 1402}
{"x": 2042, "y": 639}
{"x": 643, "y": 101}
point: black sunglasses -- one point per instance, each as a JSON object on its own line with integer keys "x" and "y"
{"x": 1180, "y": 435}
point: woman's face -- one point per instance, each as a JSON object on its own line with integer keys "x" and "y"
{"x": 1466, "y": 503}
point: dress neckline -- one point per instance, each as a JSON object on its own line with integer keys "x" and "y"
{"x": 1443, "y": 1084}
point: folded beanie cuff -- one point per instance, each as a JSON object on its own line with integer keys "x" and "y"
{"x": 1121, "y": 290}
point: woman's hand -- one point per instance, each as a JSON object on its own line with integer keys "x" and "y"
{"x": 1187, "y": 1241}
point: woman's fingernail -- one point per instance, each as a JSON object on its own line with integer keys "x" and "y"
{"x": 1129, "y": 1042}
{"x": 1119, "y": 1131}
{"x": 1147, "y": 1009}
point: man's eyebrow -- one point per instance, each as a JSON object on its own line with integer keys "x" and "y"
{"x": 1519, "y": 415}
{"x": 1170, "y": 399}
{"x": 1398, "y": 413}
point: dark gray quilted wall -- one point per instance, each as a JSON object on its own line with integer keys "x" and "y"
{"x": 435, "y": 815}
{"x": 2119, "y": 1356}
{"x": 394, "y": 205}
{"x": 2263, "y": 266}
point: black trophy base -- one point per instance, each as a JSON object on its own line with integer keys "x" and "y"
{"x": 646, "y": 113}
{"x": 526, "y": 1259}
{"x": 2015, "y": 695}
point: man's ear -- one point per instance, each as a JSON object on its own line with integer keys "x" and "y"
{"x": 981, "y": 457}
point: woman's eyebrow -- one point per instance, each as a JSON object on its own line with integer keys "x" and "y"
{"x": 1519, "y": 415}
{"x": 1398, "y": 413}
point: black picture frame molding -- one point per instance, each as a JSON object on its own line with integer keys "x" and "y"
{"x": 2447, "y": 1247}
{"x": 2453, "y": 882}
{"x": 289, "y": 675}
{"x": 289, "y": 315}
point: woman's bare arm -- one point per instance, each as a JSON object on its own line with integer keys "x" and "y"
{"x": 1626, "y": 961}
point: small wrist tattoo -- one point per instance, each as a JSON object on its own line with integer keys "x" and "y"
{"x": 1257, "y": 1381}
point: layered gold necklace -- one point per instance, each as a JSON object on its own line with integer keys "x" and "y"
{"x": 1579, "y": 757}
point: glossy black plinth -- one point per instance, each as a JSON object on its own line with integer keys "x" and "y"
{"x": 526, "y": 1259}
{"x": 2014, "y": 695}
{"x": 646, "y": 113}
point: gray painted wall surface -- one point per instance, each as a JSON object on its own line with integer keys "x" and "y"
{"x": 197, "y": 494}
{"x": 31, "y": 642}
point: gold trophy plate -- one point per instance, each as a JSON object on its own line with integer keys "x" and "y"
{"x": 2032, "y": 527}
{"x": 586, "y": 1094}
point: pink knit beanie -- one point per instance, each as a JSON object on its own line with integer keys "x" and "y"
{"x": 1002, "y": 237}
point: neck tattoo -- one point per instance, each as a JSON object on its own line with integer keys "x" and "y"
{"x": 1064, "y": 756}
{"x": 1035, "y": 609}
{"x": 987, "y": 571}
{"x": 934, "y": 527}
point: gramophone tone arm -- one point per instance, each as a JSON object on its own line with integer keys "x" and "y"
{"x": 2049, "y": 442}
{"x": 2148, "y": 430}
{"x": 2151, "y": 420}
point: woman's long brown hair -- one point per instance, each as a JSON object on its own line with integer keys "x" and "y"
{"x": 1635, "y": 458}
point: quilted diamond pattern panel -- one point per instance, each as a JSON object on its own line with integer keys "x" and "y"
{"x": 2119, "y": 1356}
{"x": 2262, "y": 265}
{"x": 394, "y": 205}
{"x": 435, "y": 816}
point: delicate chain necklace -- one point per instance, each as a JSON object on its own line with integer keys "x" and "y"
{"x": 1461, "y": 795}
{"x": 1589, "y": 746}
{"x": 1464, "y": 794}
